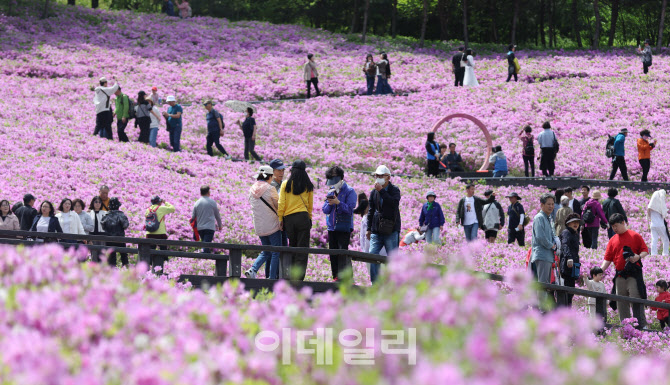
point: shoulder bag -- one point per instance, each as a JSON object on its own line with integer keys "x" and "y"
{"x": 385, "y": 225}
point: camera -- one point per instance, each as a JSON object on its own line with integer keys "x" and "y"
{"x": 332, "y": 194}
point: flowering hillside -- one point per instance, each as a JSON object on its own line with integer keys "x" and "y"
{"x": 48, "y": 69}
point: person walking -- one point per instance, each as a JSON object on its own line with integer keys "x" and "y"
{"x": 383, "y": 75}
{"x": 458, "y": 67}
{"x": 646, "y": 56}
{"x": 612, "y": 206}
{"x": 469, "y": 212}
{"x": 499, "y": 162}
{"x": 264, "y": 202}
{"x": 311, "y": 75}
{"x": 155, "y": 229}
{"x": 432, "y": 217}
{"x": 544, "y": 244}
{"x": 593, "y": 217}
{"x": 627, "y": 249}
{"x": 87, "y": 223}
{"x": 26, "y": 213}
{"x": 657, "y": 212}
{"x": 206, "y": 216}
{"x": 511, "y": 65}
{"x": 122, "y": 114}
{"x": 249, "y": 130}
{"x": 215, "y": 127}
{"x": 370, "y": 70}
{"x": 586, "y": 236}
{"x": 339, "y": 208}
{"x": 97, "y": 211}
{"x": 69, "y": 220}
{"x": 363, "y": 209}
{"x": 569, "y": 262}
{"x": 561, "y": 215}
{"x": 548, "y": 147}
{"x": 527, "y": 150}
{"x": 493, "y": 216}
{"x": 383, "y": 217}
{"x": 296, "y": 202}
{"x": 573, "y": 203}
{"x": 469, "y": 79}
{"x": 115, "y": 224}
{"x": 46, "y": 222}
{"x": 432, "y": 154}
{"x": 103, "y": 111}
{"x": 8, "y": 221}
{"x": 174, "y": 122}
{"x": 516, "y": 217}
{"x": 619, "y": 159}
{"x": 644, "y": 152}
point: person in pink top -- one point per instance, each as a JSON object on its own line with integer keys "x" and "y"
{"x": 184, "y": 9}
{"x": 527, "y": 150}
{"x": 596, "y": 215}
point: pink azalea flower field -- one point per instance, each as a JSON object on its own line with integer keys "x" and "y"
{"x": 67, "y": 323}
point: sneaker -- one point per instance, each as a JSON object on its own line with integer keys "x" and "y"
{"x": 227, "y": 157}
{"x": 250, "y": 273}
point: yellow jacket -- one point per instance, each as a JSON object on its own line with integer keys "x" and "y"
{"x": 291, "y": 203}
{"x": 162, "y": 211}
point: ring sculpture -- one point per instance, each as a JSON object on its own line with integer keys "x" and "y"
{"x": 489, "y": 142}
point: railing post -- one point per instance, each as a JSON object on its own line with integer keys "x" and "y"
{"x": 221, "y": 267}
{"x": 235, "y": 258}
{"x": 601, "y": 308}
{"x": 144, "y": 253}
{"x": 285, "y": 265}
{"x": 561, "y": 298}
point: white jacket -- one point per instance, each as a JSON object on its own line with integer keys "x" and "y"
{"x": 73, "y": 221}
{"x": 266, "y": 221}
{"x": 154, "y": 120}
{"x": 101, "y": 214}
{"x": 100, "y": 99}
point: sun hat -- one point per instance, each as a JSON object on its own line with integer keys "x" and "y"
{"x": 299, "y": 164}
{"x": 514, "y": 195}
{"x": 382, "y": 170}
{"x": 597, "y": 194}
{"x": 103, "y": 80}
{"x": 431, "y": 193}
{"x": 624, "y": 131}
{"x": 170, "y": 98}
{"x": 265, "y": 171}
{"x": 206, "y": 102}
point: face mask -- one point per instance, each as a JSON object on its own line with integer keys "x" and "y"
{"x": 381, "y": 181}
{"x": 338, "y": 186}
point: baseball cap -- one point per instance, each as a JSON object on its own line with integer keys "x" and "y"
{"x": 488, "y": 193}
{"x": 206, "y": 102}
{"x": 265, "y": 171}
{"x": 156, "y": 200}
{"x": 154, "y": 89}
{"x": 103, "y": 80}
{"x": 277, "y": 164}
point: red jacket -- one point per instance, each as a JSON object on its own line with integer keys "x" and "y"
{"x": 662, "y": 313}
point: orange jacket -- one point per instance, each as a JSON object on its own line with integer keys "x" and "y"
{"x": 643, "y": 149}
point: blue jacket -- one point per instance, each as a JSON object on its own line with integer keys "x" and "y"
{"x": 432, "y": 150}
{"x": 433, "y": 217}
{"x": 345, "y": 209}
{"x": 618, "y": 145}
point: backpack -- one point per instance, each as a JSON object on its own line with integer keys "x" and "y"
{"x": 492, "y": 216}
{"x": 609, "y": 147}
{"x": 529, "y": 148}
{"x": 588, "y": 216}
{"x": 110, "y": 223}
{"x": 132, "y": 114}
{"x": 151, "y": 222}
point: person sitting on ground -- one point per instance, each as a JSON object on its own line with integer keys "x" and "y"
{"x": 453, "y": 159}
{"x": 115, "y": 224}
{"x": 8, "y": 221}
{"x": 663, "y": 296}
{"x": 499, "y": 162}
{"x": 413, "y": 236}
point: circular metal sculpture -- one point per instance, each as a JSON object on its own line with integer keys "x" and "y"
{"x": 489, "y": 142}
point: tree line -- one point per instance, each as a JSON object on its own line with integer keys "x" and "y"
{"x": 536, "y": 23}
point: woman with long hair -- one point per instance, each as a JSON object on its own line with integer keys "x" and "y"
{"x": 370, "y": 70}
{"x": 296, "y": 197}
{"x": 46, "y": 221}
{"x": 470, "y": 80}
{"x": 97, "y": 213}
{"x": 143, "y": 116}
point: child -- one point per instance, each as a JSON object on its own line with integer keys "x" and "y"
{"x": 595, "y": 284}
{"x": 413, "y": 236}
{"x": 663, "y": 296}
{"x": 431, "y": 217}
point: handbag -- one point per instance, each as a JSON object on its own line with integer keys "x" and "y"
{"x": 306, "y": 208}
{"x": 385, "y": 225}
{"x": 556, "y": 146}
